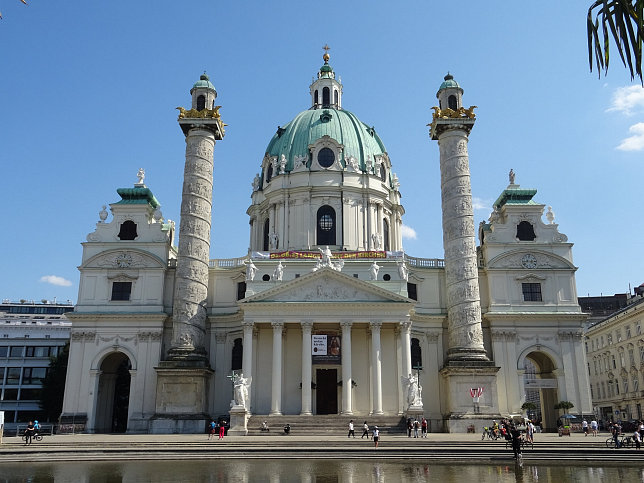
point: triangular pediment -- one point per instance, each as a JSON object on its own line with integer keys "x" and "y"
{"x": 327, "y": 285}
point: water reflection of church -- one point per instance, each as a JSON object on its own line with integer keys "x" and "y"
{"x": 326, "y": 314}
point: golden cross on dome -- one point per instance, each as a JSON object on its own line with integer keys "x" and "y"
{"x": 326, "y": 48}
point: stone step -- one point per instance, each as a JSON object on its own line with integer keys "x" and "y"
{"x": 325, "y": 424}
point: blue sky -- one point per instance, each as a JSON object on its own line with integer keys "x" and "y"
{"x": 88, "y": 92}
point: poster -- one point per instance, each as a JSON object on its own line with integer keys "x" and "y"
{"x": 326, "y": 349}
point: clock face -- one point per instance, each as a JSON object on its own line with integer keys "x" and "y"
{"x": 529, "y": 261}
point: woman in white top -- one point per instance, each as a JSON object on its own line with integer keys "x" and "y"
{"x": 376, "y": 435}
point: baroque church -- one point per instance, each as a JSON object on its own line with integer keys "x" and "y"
{"x": 325, "y": 314}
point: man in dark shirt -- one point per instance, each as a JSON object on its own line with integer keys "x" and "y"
{"x": 516, "y": 441}
{"x": 29, "y": 432}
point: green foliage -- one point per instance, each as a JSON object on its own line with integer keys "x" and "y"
{"x": 565, "y": 405}
{"x": 621, "y": 20}
{"x": 528, "y": 406}
{"x": 53, "y": 386}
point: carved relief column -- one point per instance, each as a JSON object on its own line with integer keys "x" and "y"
{"x": 376, "y": 367}
{"x": 465, "y": 334}
{"x": 347, "y": 380}
{"x": 307, "y": 327}
{"x": 276, "y": 388}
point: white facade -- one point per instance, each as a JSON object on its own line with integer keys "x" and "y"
{"x": 325, "y": 265}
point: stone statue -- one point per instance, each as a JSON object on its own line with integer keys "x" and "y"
{"x": 369, "y": 164}
{"x": 511, "y": 175}
{"x": 326, "y": 256}
{"x": 374, "y": 270}
{"x": 256, "y": 182}
{"x": 353, "y": 163}
{"x": 299, "y": 162}
{"x": 403, "y": 271}
{"x": 274, "y": 240}
{"x": 141, "y": 176}
{"x": 413, "y": 390}
{"x": 278, "y": 272}
{"x": 282, "y": 164}
{"x": 395, "y": 181}
{"x": 241, "y": 385}
{"x": 550, "y": 216}
{"x": 376, "y": 238}
{"x": 251, "y": 270}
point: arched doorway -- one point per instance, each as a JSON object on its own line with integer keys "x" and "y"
{"x": 540, "y": 385}
{"x": 113, "y": 395}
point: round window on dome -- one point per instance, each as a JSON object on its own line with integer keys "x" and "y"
{"x": 326, "y": 157}
{"x": 326, "y": 222}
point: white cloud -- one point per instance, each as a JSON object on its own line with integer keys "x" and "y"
{"x": 480, "y": 204}
{"x": 634, "y": 142}
{"x": 627, "y": 100}
{"x": 56, "y": 280}
{"x": 408, "y": 232}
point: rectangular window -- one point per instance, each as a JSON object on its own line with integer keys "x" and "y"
{"x": 625, "y": 385}
{"x": 121, "y": 290}
{"x": 29, "y": 394}
{"x": 13, "y": 375}
{"x": 16, "y": 351}
{"x": 531, "y": 292}
{"x": 631, "y": 357}
{"x": 614, "y": 361}
{"x": 30, "y": 351}
{"x": 10, "y": 395}
{"x": 636, "y": 383}
{"x": 34, "y": 375}
{"x": 3, "y": 350}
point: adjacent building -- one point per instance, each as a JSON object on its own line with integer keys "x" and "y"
{"x": 326, "y": 313}
{"x": 30, "y": 334}
{"x": 615, "y": 353}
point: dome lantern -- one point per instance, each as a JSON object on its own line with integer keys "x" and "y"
{"x": 326, "y": 92}
{"x": 203, "y": 93}
{"x": 450, "y": 94}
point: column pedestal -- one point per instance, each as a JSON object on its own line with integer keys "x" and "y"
{"x": 181, "y": 399}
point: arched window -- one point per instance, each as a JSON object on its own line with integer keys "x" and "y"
{"x": 128, "y": 230}
{"x": 315, "y": 97}
{"x": 269, "y": 173}
{"x": 335, "y": 97}
{"x": 416, "y": 354}
{"x": 326, "y": 226}
{"x": 451, "y": 102}
{"x": 201, "y": 103}
{"x": 326, "y": 97}
{"x": 385, "y": 234}
{"x": 238, "y": 354}
{"x": 383, "y": 173}
{"x": 525, "y": 231}
{"x": 266, "y": 232}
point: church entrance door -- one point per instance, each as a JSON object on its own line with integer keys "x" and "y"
{"x": 326, "y": 393}
{"x": 112, "y": 401}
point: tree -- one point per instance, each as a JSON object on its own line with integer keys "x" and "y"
{"x": 623, "y": 21}
{"x": 53, "y": 386}
{"x": 565, "y": 405}
{"x": 528, "y": 406}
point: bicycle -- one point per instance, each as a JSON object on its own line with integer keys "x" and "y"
{"x": 622, "y": 442}
{"x": 36, "y": 436}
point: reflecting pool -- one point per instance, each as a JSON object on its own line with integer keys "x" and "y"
{"x": 298, "y": 470}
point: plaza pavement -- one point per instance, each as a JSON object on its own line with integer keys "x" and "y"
{"x": 549, "y": 448}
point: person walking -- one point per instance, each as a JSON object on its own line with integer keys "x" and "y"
{"x": 222, "y": 429}
{"x": 637, "y": 438}
{"x": 365, "y": 430}
{"x": 352, "y": 431}
{"x": 211, "y": 428}
{"x": 409, "y": 427}
{"x": 423, "y": 427}
{"x": 29, "y": 432}
{"x": 516, "y": 441}
{"x": 416, "y": 427}
{"x": 584, "y": 426}
{"x": 376, "y": 436}
{"x": 641, "y": 428}
{"x": 593, "y": 427}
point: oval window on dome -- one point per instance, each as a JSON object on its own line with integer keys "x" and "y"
{"x": 326, "y": 157}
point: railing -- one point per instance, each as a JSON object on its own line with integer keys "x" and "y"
{"x": 425, "y": 262}
{"x": 45, "y": 429}
{"x": 226, "y": 262}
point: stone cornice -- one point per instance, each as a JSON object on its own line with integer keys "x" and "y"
{"x": 566, "y": 317}
{"x": 116, "y": 316}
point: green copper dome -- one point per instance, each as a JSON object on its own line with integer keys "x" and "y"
{"x": 449, "y": 82}
{"x": 359, "y": 140}
{"x": 204, "y": 81}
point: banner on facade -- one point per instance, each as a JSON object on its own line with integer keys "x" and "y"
{"x": 326, "y": 349}
{"x": 313, "y": 255}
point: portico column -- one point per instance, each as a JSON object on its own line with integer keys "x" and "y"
{"x": 376, "y": 367}
{"x": 247, "y": 353}
{"x": 306, "y": 367}
{"x": 276, "y": 393}
{"x": 347, "y": 380}
{"x": 405, "y": 340}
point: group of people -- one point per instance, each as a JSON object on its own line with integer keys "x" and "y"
{"x": 593, "y": 426}
{"x": 375, "y": 433}
{"x": 415, "y": 426}
{"x": 637, "y": 436}
{"x": 217, "y": 427}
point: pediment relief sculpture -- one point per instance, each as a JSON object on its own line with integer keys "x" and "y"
{"x": 529, "y": 260}
{"x": 123, "y": 259}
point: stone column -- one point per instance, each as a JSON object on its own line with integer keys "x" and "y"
{"x": 276, "y": 389}
{"x": 191, "y": 276}
{"x": 376, "y": 367}
{"x": 307, "y": 327}
{"x": 347, "y": 407}
{"x": 465, "y": 335}
{"x": 405, "y": 342}
{"x": 247, "y": 354}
